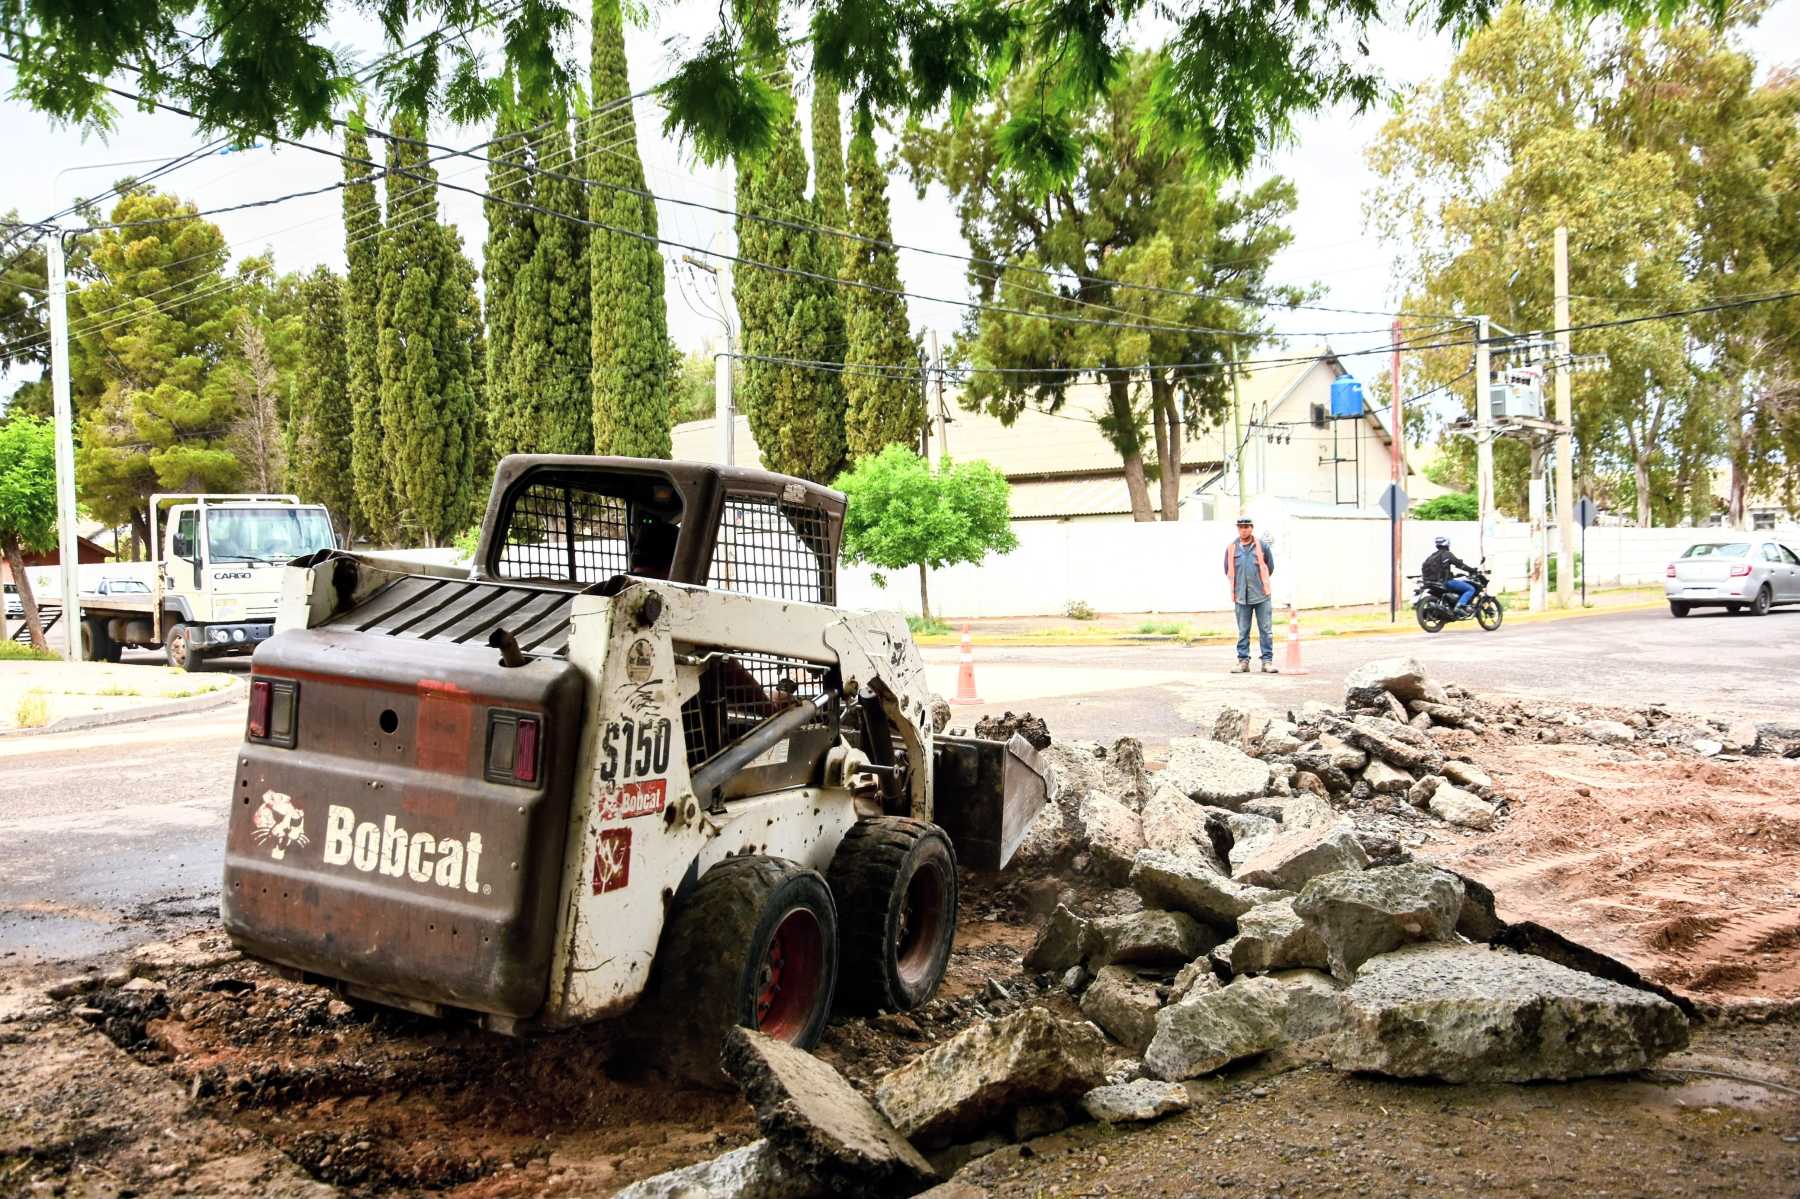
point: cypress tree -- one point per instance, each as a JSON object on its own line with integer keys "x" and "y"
{"x": 550, "y": 373}
{"x": 427, "y": 400}
{"x": 511, "y": 236}
{"x": 319, "y": 428}
{"x": 362, "y": 288}
{"x": 796, "y": 412}
{"x": 632, "y": 374}
{"x": 828, "y": 204}
{"x": 882, "y": 409}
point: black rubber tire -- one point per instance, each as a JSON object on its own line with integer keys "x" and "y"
{"x": 1489, "y": 613}
{"x": 178, "y": 648}
{"x": 894, "y": 880}
{"x": 1678, "y": 609}
{"x": 97, "y": 644}
{"x": 1431, "y": 617}
{"x": 712, "y": 960}
{"x": 1762, "y": 603}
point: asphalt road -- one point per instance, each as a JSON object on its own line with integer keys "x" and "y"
{"x": 116, "y": 836}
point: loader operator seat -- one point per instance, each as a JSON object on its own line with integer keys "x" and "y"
{"x": 653, "y": 545}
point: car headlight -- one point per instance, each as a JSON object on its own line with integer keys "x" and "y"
{"x": 237, "y": 634}
{"x": 220, "y": 635}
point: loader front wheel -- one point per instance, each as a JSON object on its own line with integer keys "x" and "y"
{"x": 755, "y": 943}
{"x": 894, "y": 880}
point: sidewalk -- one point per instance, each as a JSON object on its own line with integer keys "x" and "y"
{"x": 1206, "y": 628}
{"x": 61, "y": 695}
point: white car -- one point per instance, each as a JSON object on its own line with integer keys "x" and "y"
{"x": 1751, "y": 576}
{"x": 15, "y": 607}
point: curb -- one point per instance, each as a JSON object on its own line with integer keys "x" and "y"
{"x": 234, "y": 690}
{"x": 1014, "y": 641}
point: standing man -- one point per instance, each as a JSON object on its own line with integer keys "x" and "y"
{"x": 1248, "y": 565}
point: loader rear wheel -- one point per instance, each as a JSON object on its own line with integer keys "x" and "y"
{"x": 755, "y": 943}
{"x": 895, "y": 884}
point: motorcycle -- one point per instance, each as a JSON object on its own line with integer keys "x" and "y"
{"x": 1436, "y": 607}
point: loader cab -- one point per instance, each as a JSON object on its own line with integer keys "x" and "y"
{"x": 580, "y": 522}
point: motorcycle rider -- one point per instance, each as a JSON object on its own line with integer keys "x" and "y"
{"x": 1437, "y": 570}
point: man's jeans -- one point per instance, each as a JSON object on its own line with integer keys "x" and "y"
{"x": 1264, "y": 613}
{"x": 1462, "y": 589}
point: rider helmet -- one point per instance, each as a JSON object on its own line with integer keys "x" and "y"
{"x": 1442, "y": 543}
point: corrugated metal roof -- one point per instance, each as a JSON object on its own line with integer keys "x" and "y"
{"x": 1093, "y": 495}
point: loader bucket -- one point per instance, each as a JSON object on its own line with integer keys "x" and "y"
{"x": 986, "y": 795}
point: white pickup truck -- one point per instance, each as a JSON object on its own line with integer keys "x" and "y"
{"x": 214, "y": 583}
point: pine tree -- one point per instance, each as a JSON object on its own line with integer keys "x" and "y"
{"x": 796, "y": 412}
{"x": 511, "y": 237}
{"x": 319, "y": 423}
{"x": 882, "y": 409}
{"x": 632, "y": 373}
{"x": 362, "y": 288}
{"x": 428, "y": 412}
{"x": 550, "y": 373}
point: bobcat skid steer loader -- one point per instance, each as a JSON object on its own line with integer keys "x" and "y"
{"x": 634, "y": 757}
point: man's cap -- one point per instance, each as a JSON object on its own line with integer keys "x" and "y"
{"x": 1245, "y": 520}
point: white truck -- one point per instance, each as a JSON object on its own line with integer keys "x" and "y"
{"x": 214, "y": 583}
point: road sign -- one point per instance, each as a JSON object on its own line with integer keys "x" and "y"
{"x": 1394, "y": 501}
{"x": 1585, "y": 512}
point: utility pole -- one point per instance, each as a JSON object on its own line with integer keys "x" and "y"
{"x": 68, "y": 548}
{"x": 1397, "y": 459}
{"x": 1484, "y": 436}
{"x": 943, "y": 419}
{"x": 1237, "y": 432}
{"x": 1565, "y": 452}
{"x": 1539, "y": 567}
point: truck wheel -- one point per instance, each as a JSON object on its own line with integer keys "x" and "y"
{"x": 97, "y": 644}
{"x": 895, "y": 884}
{"x": 178, "y": 648}
{"x": 755, "y": 943}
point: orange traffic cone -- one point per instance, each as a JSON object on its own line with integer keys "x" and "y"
{"x": 1293, "y": 665}
{"x": 965, "y": 674}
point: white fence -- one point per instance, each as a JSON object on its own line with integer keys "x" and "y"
{"x": 1320, "y": 561}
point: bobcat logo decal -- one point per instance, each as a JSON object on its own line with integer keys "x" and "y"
{"x": 279, "y": 824}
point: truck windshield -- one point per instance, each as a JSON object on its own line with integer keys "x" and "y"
{"x": 266, "y": 534}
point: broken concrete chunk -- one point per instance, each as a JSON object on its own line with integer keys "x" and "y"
{"x": 1357, "y": 914}
{"x": 1175, "y": 824}
{"x": 1195, "y": 977}
{"x": 1478, "y": 920}
{"x": 1039, "y": 1120}
{"x": 1168, "y": 882}
{"x": 1383, "y": 849}
{"x": 1405, "y": 678}
{"x": 818, "y": 1122}
{"x": 1123, "y": 1004}
{"x": 755, "y": 1171}
{"x": 1458, "y": 807}
{"x": 1145, "y": 1099}
{"x": 1292, "y": 859}
{"x": 1387, "y": 780}
{"x": 1307, "y": 811}
{"x": 1466, "y": 774}
{"x": 1312, "y": 1004}
{"x": 1209, "y": 1031}
{"x": 1149, "y": 937}
{"x": 1322, "y": 764}
{"x": 1609, "y": 732}
{"x": 1213, "y": 772}
{"x": 1052, "y": 838}
{"x": 1281, "y": 737}
{"x": 983, "y": 1072}
{"x": 1114, "y": 834}
{"x": 1062, "y": 941}
{"x": 1396, "y": 745}
{"x": 1122, "y": 773}
{"x": 1469, "y": 1013}
{"x": 1419, "y": 794}
{"x": 1274, "y": 937}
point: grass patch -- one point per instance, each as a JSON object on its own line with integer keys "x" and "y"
{"x": 13, "y": 651}
{"x": 1163, "y": 628}
{"x": 922, "y": 627}
{"x": 33, "y": 711}
{"x": 118, "y": 691}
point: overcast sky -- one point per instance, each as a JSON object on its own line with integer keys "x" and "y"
{"x": 52, "y": 165}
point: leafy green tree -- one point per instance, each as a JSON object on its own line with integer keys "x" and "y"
{"x": 903, "y": 513}
{"x": 549, "y": 380}
{"x": 694, "y": 379}
{"x": 319, "y": 424}
{"x": 27, "y": 504}
{"x": 511, "y": 238}
{"x": 24, "y": 314}
{"x": 1135, "y": 262}
{"x": 882, "y": 407}
{"x": 428, "y": 398}
{"x": 146, "y": 339}
{"x": 374, "y": 484}
{"x": 631, "y": 368}
{"x": 1460, "y": 505}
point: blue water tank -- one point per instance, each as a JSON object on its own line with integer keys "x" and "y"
{"x": 1346, "y": 397}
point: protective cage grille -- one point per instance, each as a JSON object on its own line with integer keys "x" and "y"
{"x": 740, "y": 691}
{"x": 770, "y": 548}
{"x": 564, "y": 533}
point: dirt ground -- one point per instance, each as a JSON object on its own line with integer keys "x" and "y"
{"x": 221, "y": 1077}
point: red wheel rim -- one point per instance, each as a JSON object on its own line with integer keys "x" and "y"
{"x": 789, "y": 982}
{"x": 921, "y": 922}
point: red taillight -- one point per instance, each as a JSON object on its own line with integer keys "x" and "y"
{"x": 1740, "y": 571}
{"x": 525, "y": 751}
{"x": 260, "y": 694}
{"x": 1671, "y": 570}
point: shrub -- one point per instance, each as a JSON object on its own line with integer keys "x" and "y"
{"x": 1080, "y": 610}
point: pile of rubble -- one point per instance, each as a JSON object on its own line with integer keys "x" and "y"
{"x": 1259, "y": 907}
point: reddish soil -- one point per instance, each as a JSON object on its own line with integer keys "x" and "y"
{"x": 1687, "y": 868}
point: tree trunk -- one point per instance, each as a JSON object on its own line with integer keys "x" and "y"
{"x": 1122, "y": 431}
{"x": 924, "y": 594}
{"x": 15, "y": 561}
{"x": 1138, "y": 486}
{"x": 1642, "y": 462}
{"x": 1166, "y": 416}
